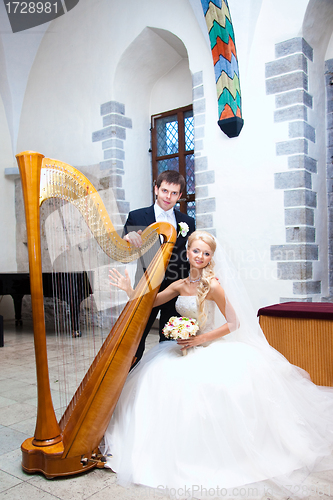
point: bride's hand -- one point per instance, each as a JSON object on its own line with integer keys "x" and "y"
{"x": 190, "y": 342}
{"x": 120, "y": 281}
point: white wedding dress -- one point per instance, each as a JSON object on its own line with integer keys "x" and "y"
{"x": 224, "y": 416}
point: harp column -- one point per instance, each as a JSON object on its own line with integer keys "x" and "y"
{"x": 47, "y": 430}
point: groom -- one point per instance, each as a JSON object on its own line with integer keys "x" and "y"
{"x": 168, "y": 190}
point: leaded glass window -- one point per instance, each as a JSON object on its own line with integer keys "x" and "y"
{"x": 173, "y": 149}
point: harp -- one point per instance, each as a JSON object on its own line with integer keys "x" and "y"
{"x": 70, "y": 446}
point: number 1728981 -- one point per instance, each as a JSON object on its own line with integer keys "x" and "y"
{"x": 32, "y": 7}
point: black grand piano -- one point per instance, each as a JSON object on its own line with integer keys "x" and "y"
{"x": 72, "y": 288}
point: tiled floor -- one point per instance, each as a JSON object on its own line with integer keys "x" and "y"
{"x": 18, "y": 403}
{"x": 17, "y": 422}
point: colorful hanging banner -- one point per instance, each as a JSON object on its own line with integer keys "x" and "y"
{"x": 222, "y": 41}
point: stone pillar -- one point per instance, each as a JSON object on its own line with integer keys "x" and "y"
{"x": 112, "y": 136}
{"x": 329, "y": 166}
{"x": 287, "y": 79}
{"x": 111, "y": 170}
{"x": 205, "y": 205}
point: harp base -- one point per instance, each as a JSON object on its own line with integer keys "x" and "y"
{"x": 51, "y": 462}
{"x": 47, "y": 442}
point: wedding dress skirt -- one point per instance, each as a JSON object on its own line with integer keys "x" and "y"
{"x": 223, "y": 416}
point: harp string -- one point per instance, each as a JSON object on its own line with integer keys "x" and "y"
{"x": 56, "y": 386}
{"x": 59, "y": 380}
{"x": 66, "y": 183}
{"x": 77, "y": 354}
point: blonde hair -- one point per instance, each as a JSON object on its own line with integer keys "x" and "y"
{"x": 207, "y": 273}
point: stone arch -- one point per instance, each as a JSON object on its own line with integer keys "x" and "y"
{"x": 155, "y": 56}
{"x": 317, "y": 24}
{"x": 152, "y": 54}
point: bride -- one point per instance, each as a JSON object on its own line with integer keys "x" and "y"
{"x": 232, "y": 413}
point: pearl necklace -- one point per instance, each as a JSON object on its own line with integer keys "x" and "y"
{"x": 193, "y": 281}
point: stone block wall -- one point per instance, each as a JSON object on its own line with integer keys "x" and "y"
{"x": 287, "y": 79}
{"x": 329, "y": 166}
{"x": 111, "y": 171}
{"x": 205, "y": 205}
{"x": 112, "y": 137}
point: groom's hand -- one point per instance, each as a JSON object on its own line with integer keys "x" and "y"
{"x": 134, "y": 238}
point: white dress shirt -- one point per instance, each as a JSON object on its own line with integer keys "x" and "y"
{"x": 165, "y": 215}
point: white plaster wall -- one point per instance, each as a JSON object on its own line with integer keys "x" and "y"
{"x": 329, "y": 51}
{"x": 104, "y": 50}
{"x": 7, "y": 213}
{"x": 61, "y": 105}
{"x": 250, "y": 211}
{"x": 162, "y": 79}
{"x": 81, "y": 63}
{"x": 7, "y": 207}
{"x": 173, "y": 90}
{"x": 78, "y": 66}
{"x": 74, "y": 72}
{"x": 244, "y": 183}
{"x": 17, "y": 51}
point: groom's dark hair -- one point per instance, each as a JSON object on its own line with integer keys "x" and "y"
{"x": 171, "y": 177}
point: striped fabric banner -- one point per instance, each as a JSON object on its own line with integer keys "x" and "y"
{"x": 222, "y": 41}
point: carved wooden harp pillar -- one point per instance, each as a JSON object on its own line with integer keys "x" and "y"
{"x": 66, "y": 447}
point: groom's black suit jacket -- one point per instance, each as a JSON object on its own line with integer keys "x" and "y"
{"x": 178, "y": 266}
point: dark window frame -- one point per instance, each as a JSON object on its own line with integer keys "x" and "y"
{"x": 182, "y": 152}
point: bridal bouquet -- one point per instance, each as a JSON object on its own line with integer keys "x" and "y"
{"x": 180, "y": 328}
